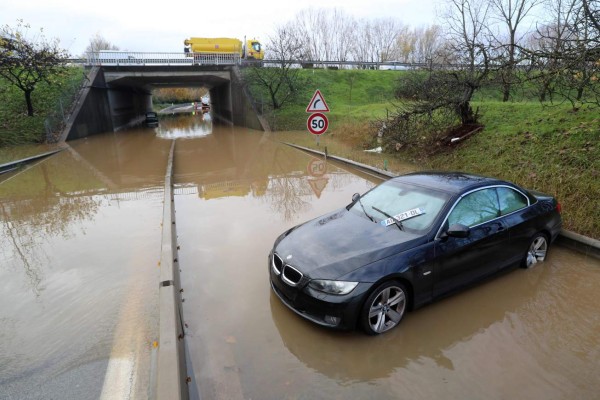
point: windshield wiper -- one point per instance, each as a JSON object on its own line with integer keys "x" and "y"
{"x": 356, "y": 198}
{"x": 396, "y": 220}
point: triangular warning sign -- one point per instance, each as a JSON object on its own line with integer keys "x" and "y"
{"x": 317, "y": 104}
{"x": 317, "y": 185}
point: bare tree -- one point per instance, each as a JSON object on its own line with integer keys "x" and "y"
{"x": 510, "y": 14}
{"x": 280, "y": 82}
{"x": 466, "y": 29}
{"x": 567, "y": 52}
{"x": 308, "y": 27}
{"x": 384, "y": 40}
{"x": 546, "y": 44}
{"x": 380, "y": 40}
{"x": 466, "y": 22}
{"x": 98, "y": 42}
{"x": 343, "y": 34}
{"x": 363, "y": 49}
{"x": 434, "y": 101}
{"x": 326, "y": 34}
{"x": 583, "y": 54}
{"x": 406, "y": 44}
{"x": 591, "y": 10}
{"x": 333, "y": 35}
{"x": 26, "y": 62}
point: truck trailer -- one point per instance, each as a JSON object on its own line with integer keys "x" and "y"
{"x": 252, "y": 49}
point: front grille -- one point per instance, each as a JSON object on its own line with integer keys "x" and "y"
{"x": 291, "y": 275}
{"x": 277, "y": 264}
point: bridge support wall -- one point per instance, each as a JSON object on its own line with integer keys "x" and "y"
{"x": 245, "y": 112}
{"x": 231, "y": 102}
{"x": 101, "y": 108}
{"x": 128, "y": 106}
{"x": 92, "y": 111}
{"x": 108, "y": 107}
{"x": 220, "y": 101}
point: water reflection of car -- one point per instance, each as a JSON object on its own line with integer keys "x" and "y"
{"x": 406, "y": 242}
{"x": 151, "y": 119}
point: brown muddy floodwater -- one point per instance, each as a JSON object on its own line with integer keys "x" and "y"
{"x": 529, "y": 334}
{"x": 80, "y": 236}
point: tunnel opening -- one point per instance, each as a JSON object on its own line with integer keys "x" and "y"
{"x": 119, "y": 97}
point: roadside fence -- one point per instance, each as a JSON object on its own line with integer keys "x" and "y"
{"x": 57, "y": 119}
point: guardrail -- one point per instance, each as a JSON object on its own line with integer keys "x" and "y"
{"x": 131, "y": 58}
{"x": 118, "y": 58}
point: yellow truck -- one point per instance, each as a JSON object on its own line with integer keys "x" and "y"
{"x": 251, "y": 50}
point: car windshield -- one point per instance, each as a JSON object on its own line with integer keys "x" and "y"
{"x": 417, "y": 207}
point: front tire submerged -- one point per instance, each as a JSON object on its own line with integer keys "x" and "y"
{"x": 384, "y": 308}
{"x": 537, "y": 251}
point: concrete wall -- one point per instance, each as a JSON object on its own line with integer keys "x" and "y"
{"x": 92, "y": 111}
{"x": 128, "y": 106}
{"x": 220, "y": 102}
{"x": 101, "y": 108}
{"x": 233, "y": 104}
{"x": 105, "y": 107}
{"x": 245, "y": 113}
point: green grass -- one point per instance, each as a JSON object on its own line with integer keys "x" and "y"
{"x": 16, "y": 127}
{"x": 553, "y": 149}
{"x": 350, "y": 94}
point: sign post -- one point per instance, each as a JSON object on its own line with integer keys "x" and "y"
{"x": 317, "y": 122}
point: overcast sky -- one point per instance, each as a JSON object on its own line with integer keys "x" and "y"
{"x": 162, "y": 26}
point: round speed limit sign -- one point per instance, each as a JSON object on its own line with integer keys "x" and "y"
{"x": 317, "y": 123}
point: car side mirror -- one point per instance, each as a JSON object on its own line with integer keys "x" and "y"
{"x": 458, "y": 231}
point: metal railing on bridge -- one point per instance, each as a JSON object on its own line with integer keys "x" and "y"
{"x": 134, "y": 58}
{"x": 130, "y": 58}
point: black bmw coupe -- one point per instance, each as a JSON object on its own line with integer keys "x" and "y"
{"x": 406, "y": 242}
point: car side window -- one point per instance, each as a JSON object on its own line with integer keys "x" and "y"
{"x": 510, "y": 200}
{"x": 475, "y": 208}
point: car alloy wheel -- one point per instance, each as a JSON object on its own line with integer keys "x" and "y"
{"x": 537, "y": 251}
{"x": 384, "y": 308}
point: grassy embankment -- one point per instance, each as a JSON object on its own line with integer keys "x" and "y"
{"x": 552, "y": 149}
{"x": 16, "y": 128}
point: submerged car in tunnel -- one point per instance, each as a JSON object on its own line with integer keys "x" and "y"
{"x": 406, "y": 242}
{"x": 151, "y": 119}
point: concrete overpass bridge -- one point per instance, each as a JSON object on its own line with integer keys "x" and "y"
{"x": 120, "y": 84}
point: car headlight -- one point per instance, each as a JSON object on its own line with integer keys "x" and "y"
{"x": 332, "y": 287}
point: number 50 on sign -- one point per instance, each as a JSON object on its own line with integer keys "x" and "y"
{"x": 317, "y": 123}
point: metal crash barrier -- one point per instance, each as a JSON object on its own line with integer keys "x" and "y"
{"x": 129, "y": 58}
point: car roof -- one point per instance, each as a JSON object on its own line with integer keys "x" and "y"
{"x": 451, "y": 182}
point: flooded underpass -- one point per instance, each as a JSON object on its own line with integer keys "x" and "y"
{"x": 79, "y": 246}
{"x": 525, "y": 334}
{"x": 80, "y": 243}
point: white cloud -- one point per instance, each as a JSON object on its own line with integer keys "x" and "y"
{"x": 150, "y": 26}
